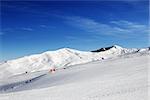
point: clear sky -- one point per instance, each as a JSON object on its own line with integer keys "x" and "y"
{"x": 34, "y": 27}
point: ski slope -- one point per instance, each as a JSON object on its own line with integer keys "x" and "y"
{"x": 123, "y": 77}
{"x": 59, "y": 59}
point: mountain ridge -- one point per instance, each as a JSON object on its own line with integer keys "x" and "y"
{"x": 61, "y": 58}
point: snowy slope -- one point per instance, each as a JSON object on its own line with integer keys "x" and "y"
{"x": 120, "y": 78}
{"x": 59, "y": 59}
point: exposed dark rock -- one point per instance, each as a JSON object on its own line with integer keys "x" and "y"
{"x": 103, "y": 49}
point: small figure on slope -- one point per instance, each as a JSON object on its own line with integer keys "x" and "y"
{"x": 52, "y": 70}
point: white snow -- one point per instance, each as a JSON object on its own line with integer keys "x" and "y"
{"x": 122, "y": 76}
{"x": 57, "y": 59}
{"x": 119, "y": 78}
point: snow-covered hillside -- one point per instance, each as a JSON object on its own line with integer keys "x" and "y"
{"x": 59, "y": 59}
{"x": 123, "y": 77}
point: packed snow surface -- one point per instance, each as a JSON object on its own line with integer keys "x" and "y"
{"x": 122, "y": 75}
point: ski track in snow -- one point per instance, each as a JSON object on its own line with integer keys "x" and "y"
{"x": 10, "y": 87}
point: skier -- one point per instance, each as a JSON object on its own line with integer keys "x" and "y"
{"x": 52, "y": 70}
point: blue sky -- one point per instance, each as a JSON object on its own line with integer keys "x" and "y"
{"x": 34, "y": 27}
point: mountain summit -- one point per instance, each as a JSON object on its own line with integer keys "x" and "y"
{"x": 107, "y": 48}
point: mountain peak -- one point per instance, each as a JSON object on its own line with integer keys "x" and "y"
{"x": 66, "y": 49}
{"x": 107, "y": 48}
{"x": 117, "y": 46}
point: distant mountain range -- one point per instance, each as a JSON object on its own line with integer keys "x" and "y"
{"x": 62, "y": 58}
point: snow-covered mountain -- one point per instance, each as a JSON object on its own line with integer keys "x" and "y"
{"x": 123, "y": 77}
{"x": 120, "y": 50}
{"x": 61, "y": 58}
